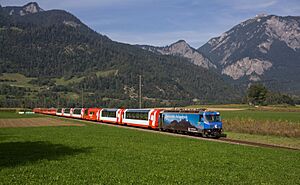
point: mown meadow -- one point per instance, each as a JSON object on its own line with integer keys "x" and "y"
{"x": 100, "y": 154}
{"x": 13, "y": 114}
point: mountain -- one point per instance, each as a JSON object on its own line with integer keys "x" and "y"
{"x": 182, "y": 49}
{"x": 29, "y": 8}
{"x": 263, "y": 49}
{"x": 50, "y": 58}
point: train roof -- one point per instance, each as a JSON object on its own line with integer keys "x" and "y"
{"x": 195, "y": 111}
{"x": 184, "y": 110}
{"x": 138, "y": 110}
{"x": 109, "y": 109}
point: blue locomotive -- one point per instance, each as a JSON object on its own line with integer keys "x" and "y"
{"x": 206, "y": 123}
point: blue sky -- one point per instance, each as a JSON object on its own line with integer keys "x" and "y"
{"x": 162, "y": 22}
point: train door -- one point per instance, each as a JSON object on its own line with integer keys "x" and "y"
{"x": 86, "y": 113}
{"x": 82, "y": 113}
{"x": 120, "y": 113}
{"x": 71, "y": 112}
{"x": 154, "y": 118}
{"x": 98, "y": 115}
{"x": 201, "y": 121}
{"x": 160, "y": 121}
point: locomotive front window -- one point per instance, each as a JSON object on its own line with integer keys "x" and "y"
{"x": 213, "y": 118}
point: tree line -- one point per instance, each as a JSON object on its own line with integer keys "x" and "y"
{"x": 258, "y": 94}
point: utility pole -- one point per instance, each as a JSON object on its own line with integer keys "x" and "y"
{"x": 82, "y": 97}
{"x": 44, "y": 101}
{"x": 140, "y": 91}
{"x": 58, "y": 101}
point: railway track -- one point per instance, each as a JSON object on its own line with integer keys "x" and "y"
{"x": 224, "y": 140}
{"x": 255, "y": 144}
{"x": 231, "y": 141}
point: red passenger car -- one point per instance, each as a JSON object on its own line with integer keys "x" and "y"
{"x": 51, "y": 111}
{"x": 148, "y": 118}
{"x": 67, "y": 112}
{"x": 78, "y": 113}
{"x": 92, "y": 114}
{"x": 111, "y": 115}
{"x": 59, "y": 112}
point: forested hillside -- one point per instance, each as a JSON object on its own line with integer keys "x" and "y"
{"x": 64, "y": 59}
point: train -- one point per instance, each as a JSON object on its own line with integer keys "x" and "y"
{"x": 199, "y": 122}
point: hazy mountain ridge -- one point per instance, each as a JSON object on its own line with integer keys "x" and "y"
{"x": 182, "y": 49}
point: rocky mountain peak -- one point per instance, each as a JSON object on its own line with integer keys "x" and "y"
{"x": 29, "y": 8}
{"x": 264, "y": 48}
{"x": 32, "y": 7}
{"x": 183, "y": 49}
{"x": 178, "y": 47}
{"x": 180, "y": 42}
{"x": 261, "y": 15}
{"x": 286, "y": 30}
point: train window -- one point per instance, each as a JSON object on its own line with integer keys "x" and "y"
{"x": 92, "y": 113}
{"x": 59, "y": 110}
{"x": 86, "y": 111}
{"x": 67, "y": 111}
{"x": 137, "y": 115}
{"x": 144, "y": 116}
{"x": 77, "y": 111}
{"x": 128, "y": 115}
{"x": 107, "y": 113}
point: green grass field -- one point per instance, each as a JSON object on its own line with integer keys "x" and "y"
{"x": 266, "y": 139}
{"x": 63, "y": 81}
{"x": 292, "y": 117}
{"x": 99, "y": 154}
{"x": 220, "y": 106}
{"x": 76, "y": 79}
{"x": 246, "y": 106}
{"x": 19, "y": 80}
{"x": 13, "y": 115}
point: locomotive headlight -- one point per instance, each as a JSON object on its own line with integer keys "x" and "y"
{"x": 216, "y": 126}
